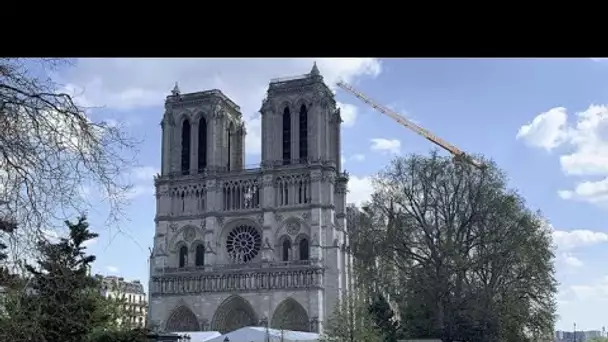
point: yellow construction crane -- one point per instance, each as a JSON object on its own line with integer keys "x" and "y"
{"x": 459, "y": 155}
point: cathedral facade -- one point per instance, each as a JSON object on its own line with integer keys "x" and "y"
{"x": 237, "y": 246}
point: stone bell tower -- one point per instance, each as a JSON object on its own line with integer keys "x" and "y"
{"x": 301, "y": 128}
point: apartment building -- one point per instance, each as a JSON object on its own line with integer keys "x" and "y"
{"x": 576, "y": 336}
{"x": 133, "y": 296}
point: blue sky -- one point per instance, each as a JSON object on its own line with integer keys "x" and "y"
{"x": 542, "y": 120}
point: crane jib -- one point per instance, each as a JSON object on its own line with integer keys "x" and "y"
{"x": 405, "y": 122}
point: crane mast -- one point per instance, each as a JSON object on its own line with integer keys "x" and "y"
{"x": 459, "y": 155}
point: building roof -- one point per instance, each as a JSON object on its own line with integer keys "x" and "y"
{"x": 258, "y": 334}
{"x": 200, "y": 336}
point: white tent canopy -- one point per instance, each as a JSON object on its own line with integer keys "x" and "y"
{"x": 199, "y": 336}
{"x": 258, "y": 334}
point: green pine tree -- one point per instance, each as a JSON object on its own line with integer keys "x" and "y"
{"x": 6, "y": 278}
{"x": 66, "y": 296}
{"x": 383, "y": 317}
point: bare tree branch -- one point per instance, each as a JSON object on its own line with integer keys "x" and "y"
{"x": 52, "y": 151}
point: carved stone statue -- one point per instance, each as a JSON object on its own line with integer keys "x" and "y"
{"x": 209, "y": 248}
{"x": 267, "y": 244}
{"x": 315, "y": 239}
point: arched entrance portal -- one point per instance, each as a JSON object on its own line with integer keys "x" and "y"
{"x": 234, "y": 313}
{"x": 290, "y": 315}
{"x": 182, "y": 319}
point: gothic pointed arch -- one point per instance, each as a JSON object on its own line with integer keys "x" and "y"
{"x": 199, "y": 258}
{"x": 234, "y": 313}
{"x": 304, "y": 249}
{"x": 185, "y": 165}
{"x": 182, "y": 319}
{"x": 302, "y": 244}
{"x": 202, "y": 144}
{"x": 286, "y": 250}
{"x": 303, "y": 133}
{"x": 183, "y": 256}
{"x": 290, "y": 315}
{"x": 286, "y": 136}
{"x": 231, "y": 135}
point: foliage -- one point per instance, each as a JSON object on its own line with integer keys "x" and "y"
{"x": 461, "y": 254}
{"x": 351, "y": 322}
{"x": 383, "y": 317}
{"x": 115, "y": 306}
{"x": 118, "y": 335}
{"x": 7, "y": 227}
{"x": 59, "y": 301}
{"x": 599, "y": 339}
{"x": 51, "y": 150}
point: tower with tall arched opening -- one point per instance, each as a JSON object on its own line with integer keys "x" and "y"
{"x": 237, "y": 247}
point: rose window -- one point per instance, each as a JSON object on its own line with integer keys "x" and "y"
{"x": 243, "y": 244}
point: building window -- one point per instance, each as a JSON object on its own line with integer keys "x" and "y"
{"x": 303, "y": 134}
{"x": 230, "y": 147}
{"x": 186, "y": 147}
{"x": 183, "y": 256}
{"x": 286, "y": 136}
{"x": 286, "y": 249}
{"x": 200, "y": 255}
{"x": 303, "y": 249}
{"x": 202, "y": 144}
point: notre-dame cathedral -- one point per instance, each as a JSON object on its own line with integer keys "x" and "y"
{"x": 237, "y": 246}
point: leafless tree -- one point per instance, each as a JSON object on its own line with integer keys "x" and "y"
{"x": 52, "y": 153}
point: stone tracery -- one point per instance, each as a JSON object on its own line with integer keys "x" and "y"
{"x": 243, "y": 243}
{"x": 232, "y": 314}
{"x": 182, "y": 319}
{"x": 290, "y": 315}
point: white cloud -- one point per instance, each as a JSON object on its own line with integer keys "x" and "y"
{"x": 349, "y": 114}
{"x": 588, "y": 153}
{"x": 596, "y": 59}
{"x": 140, "y": 190}
{"x": 52, "y": 235}
{"x": 112, "y": 269}
{"x": 89, "y": 243}
{"x": 595, "y": 291}
{"x": 546, "y": 130}
{"x": 570, "y": 260}
{"x": 144, "y": 173}
{"x": 386, "y": 145}
{"x": 569, "y": 240}
{"x": 594, "y": 192}
{"x": 359, "y": 190}
{"x": 127, "y": 83}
